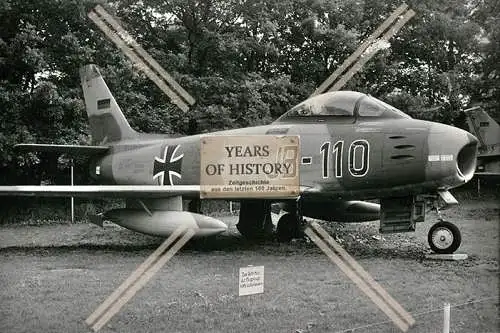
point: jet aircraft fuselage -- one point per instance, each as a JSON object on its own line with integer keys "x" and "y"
{"x": 353, "y": 147}
{"x": 369, "y": 151}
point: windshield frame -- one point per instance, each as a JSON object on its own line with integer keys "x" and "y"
{"x": 355, "y": 98}
{"x": 389, "y": 111}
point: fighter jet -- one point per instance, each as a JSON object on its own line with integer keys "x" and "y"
{"x": 487, "y": 130}
{"x": 353, "y": 147}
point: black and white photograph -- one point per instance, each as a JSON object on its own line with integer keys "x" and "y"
{"x": 294, "y": 166}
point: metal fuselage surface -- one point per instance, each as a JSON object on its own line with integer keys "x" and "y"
{"x": 340, "y": 158}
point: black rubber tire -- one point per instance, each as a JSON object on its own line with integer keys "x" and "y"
{"x": 255, "y": 219}
{"x": 250, "y": 231}
{"x": 455, "y": 232}
{"x": 288, "y": 228}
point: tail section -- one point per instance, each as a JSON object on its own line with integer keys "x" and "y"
{"x": 485, "y": 128}
{"x": 107, "y": 122}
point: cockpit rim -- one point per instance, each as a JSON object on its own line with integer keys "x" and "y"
{"x": 388, "y": 111}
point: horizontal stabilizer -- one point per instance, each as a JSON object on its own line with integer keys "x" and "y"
{"x": 73, "y": 150}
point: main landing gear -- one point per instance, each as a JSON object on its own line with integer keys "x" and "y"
{"x": 255, "y": 222}
{"x": 397, "y": 215}
{"x": 289, "y": 227}
{"x": 255, "y": 219}
{"x": 291, "y": 224}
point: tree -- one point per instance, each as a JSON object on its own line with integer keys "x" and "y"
{"x": 245, "y": 62}
{"x": 486, "y": 92}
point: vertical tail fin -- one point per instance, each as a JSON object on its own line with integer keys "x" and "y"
{"x": 485, "y": 128}
{"x": 107, "y": 122}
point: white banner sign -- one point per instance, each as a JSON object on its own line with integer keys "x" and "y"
{"x": 250, "y": 166}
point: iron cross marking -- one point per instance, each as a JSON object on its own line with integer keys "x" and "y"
{"x": 164, "y": 169}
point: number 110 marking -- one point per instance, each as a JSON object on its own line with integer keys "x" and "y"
{"x": 358, "y": 158}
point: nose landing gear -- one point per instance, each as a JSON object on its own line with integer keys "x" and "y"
{"x": 444, "y": 237}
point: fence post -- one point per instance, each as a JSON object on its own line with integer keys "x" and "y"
{"x": 72, "y": 198}
{"x": 446, "y": 318}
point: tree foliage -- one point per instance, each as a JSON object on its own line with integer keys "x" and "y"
{"x": 245, "y": 62}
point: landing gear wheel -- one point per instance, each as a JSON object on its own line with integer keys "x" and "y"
{"x": 288, "y": 228}
{"x": 255, "y": 219}
{"x": 444, "y": 237}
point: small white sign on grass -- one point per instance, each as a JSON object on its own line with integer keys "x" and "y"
{"x": 251, "y": 280}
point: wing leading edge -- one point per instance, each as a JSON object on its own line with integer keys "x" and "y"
{"x": 103, "y": 191}
{"x": 100, "y": 191}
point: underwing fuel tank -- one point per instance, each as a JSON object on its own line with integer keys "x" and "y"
{"x": 338, "y": 210}
{"x": 163, "y": 223}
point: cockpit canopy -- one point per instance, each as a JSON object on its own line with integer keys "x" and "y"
{"x": 342, "y": 105}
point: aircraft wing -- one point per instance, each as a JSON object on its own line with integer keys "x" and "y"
{"x": 107, "y": 191}
{"x": 73, "y": 150}
{"x": 100, "y": 191}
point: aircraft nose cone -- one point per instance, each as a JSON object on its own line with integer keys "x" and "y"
{"x": 451, "y": 155}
